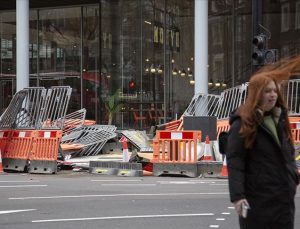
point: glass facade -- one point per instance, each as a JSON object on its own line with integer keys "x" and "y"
{"x": 142, "y": 50}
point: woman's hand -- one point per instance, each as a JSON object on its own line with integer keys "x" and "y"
{"x": 238, "y": 205}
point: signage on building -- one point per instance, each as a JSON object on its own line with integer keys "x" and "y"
{"x": 172, "y": 37}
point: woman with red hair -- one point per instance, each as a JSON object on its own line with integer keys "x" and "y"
{"x": 262, "y": 172}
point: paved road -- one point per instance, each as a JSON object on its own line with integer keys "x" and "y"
{"x": 80, "y": 200}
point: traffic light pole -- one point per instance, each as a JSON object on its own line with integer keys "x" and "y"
{"x": 256, "y": 21}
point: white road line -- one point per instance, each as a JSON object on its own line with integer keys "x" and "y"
{"x": 220, "y": 219}
{"x": 225, "y": 213}
{"x": 230, "y": 207}
{"x": 214, "y": 226}
{"x": 219, "y": 184}
{"x": 23, "y": 186}
{"x": 128, "y": 184}
{"x": 15, "y": 211}
{"x": 122, "y": 217}
{"x": 18, "y": 181}
{"x": 117, "y": 195}
{"x": 114, "y": 180}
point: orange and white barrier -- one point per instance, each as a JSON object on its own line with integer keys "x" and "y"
{"x": 176, "y": 146}
{"x": 43, "y": 158}
{"x": 295, "y": 128}
{"x": 4, "y": 138}
{"x": 222, "y": 126}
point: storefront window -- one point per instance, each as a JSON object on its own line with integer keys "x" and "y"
{"x": 59, "y": 51}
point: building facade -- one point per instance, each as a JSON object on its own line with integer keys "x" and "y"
{"x": 143, "y": 50}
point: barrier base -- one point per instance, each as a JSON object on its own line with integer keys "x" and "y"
{"x": 103, "y": 167}
{"x": 12, "y": 164}
{"x": 182, "y": 169}
{"x": 210, "y": 169}
{"x": 39, "y": 166}
{"x": 116, "y": 168}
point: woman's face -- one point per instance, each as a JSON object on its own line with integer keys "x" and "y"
{"x": 269, "y": 97}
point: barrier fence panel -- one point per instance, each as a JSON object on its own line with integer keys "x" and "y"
{"x": 8, "y": 118}
{"x": 73, "y": 120}
{"x": 28, "y": 116}
{"x": 43, "y": 158}
{"x": 291, "y": 93}
{"x": 202, "y": 105}
{"x": 18, "y": 149}
{"x": 55, "y": 107}
{"x": 230, "y": 100}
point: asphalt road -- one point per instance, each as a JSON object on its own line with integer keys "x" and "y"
{"x": 72, "y": 200}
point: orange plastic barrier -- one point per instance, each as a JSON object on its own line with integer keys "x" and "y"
{"x": 176, "y": 146}
{"x": 71, "y": 146}
{"x": 173, "y": 125}
{"x": 295, "y": 128}
{"x": 4, "y": 138}
{"x": 46, "y": 145}
{"x": 222, "y": 126}
{"x": 20, "y": 145}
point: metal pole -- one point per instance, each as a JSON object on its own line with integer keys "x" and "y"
{"x": 201, "y": 46}
{"x": 22, "y": 20}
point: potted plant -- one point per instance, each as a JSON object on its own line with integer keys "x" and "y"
{"x": 113, "y": 105}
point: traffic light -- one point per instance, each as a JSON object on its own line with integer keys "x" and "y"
{"x": 259, "y": 45}
{"x": 261, "y": 55}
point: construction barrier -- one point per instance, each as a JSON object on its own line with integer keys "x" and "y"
{"x": 4, "y": 138}
{"x": 222, "y": 126}
{"x": 43, "y": 158}
{"x": 172, "y": 125}
{"x": 295, "y": 128}
{"x": 127, "y": 169}
{"x": 175, "y": 152}
{"x": 17, "y": 150}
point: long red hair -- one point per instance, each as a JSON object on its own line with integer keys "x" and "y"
{"x": 278, "y": 72}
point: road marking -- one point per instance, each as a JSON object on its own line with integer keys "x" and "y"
{"x": 18, "y": 181}
{"x": 220, "y": 219}
{"x": 230, "y": 207}
{"x": 122, "y": 217}
{"x": 115, "y": 180}
{"x": 214, "y": 226}
{"x": 117, "y": 195}
{"x": 219, "y": 184}
{"x": 15, "y": 211}
{"x": 23, "y": 186}
{"x": 225, "y": 213}
{"x": 128, "y": 184}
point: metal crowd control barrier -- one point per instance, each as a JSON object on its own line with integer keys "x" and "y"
{"x": 28, "y": 116}
{"x": 175, "y": 152}
{"x": 202, "y": 105}
{"x": 230, "y": 99}
{"x": 55, "y": 108}
{"x": 43, "y": 158}
{"x": 291, "y": 93}
{"x": 74, "y": 120}
{"x": 92, "y": 138}
{"x": 18, "y": 149}
{"x": 7, "y": 119}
